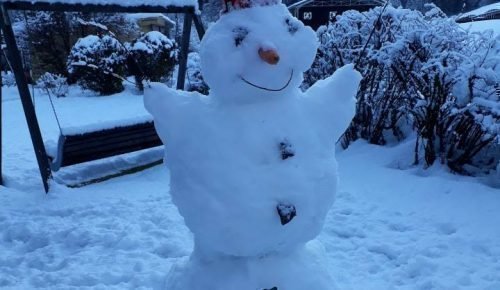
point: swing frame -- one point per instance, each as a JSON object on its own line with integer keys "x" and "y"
{"x": 190, "y": 16}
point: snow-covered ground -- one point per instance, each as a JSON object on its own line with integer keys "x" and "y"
{"x": 484, "y": 25}
{"x": 390, "y": 228}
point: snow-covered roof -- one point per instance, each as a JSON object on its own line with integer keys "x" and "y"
{"x": 483, "y": 10}
{"x": 336, "y": 3}
{"x": 491, "y": 11}
{"x": 122, "y": 3}
{"x": 138, "y": 16}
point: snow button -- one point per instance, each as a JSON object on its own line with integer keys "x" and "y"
{"x": 287, "y": 212}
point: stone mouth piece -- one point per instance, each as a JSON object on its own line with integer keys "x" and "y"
{"x": 268, "y": 89}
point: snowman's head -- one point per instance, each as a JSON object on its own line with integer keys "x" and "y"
{"x": 256, "y": 54}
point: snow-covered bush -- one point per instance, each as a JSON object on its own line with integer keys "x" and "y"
{"x": 8, "y": 79}
{"x": 194, "y": 79}
{"x": 98, "y": 63}
{"x": 155, "y": 55}
{"x": 53, "y": 84}
{"x": 422, "y": 72}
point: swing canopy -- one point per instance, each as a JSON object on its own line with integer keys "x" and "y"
{"x": 131, "y": 6}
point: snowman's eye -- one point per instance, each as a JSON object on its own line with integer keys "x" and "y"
{"x": 239, "y": 35}
{"x": 292, "y": 26}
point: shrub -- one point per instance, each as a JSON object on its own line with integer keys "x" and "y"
{"x": 155, "y": 55}
{"x": 421, "y": 72}
{"x": 194, "y": 79}
{"x": 53, "y": 84}
{"x": 8, "y": 79}
{"x": 98, "y": 63}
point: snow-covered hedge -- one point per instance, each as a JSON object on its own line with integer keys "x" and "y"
{"x": 422, "y": 73}
{"x": 156, "y": 55}
{"x": 98, "y": 63}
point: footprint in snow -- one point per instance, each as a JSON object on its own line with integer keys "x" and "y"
{"x": 446, "y": 228}
{"x": 401, "y": 228}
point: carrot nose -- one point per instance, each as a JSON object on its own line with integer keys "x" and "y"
{"x": 269, "y": 55}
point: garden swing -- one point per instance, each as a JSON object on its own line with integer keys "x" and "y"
{"x": 74, "y": 149}
{"x": 79, "y": 148}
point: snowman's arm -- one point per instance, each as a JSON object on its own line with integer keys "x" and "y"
{"x": 168, "y": 106}
{"x": 333, "y": 100}
{"x": 160, "y": 100}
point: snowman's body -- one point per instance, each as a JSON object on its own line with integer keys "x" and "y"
{"x": 228, "y": 174}
{"x": 254, "y": 145}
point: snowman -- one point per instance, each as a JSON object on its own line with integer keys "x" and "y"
{"x": 252, "y": 165}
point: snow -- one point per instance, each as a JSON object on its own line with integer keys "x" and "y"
{"x": 60, "y": 241}
{"x": 484, "y": 25}
{"x": 482, "y": 10}
{"x": 411, "y": 229}
{"x": 390, "y": 228}
{"x": 124, "y": 3}
{"x": 281, "y": 271}
{"x": 152, "y": 41}
{"x": 138, "y": 16}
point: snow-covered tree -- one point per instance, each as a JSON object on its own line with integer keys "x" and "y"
{"x": 122, "y": 27}
{"x": 98, "y": 63}
{"x": 47, "y": 37}
{"x": 211, "y": 10}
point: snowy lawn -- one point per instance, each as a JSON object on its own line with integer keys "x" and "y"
{"x": 389, "y": 228}
{"x": 484, "y": 25}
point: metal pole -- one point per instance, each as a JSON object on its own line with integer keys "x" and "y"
{"x": 1, "y": 88}
{"x": 199, "y": 26}
{"x": 24, "y": 93}
{"x": 186, "y": 34}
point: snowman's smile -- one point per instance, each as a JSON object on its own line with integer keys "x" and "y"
{"x": 269, "y": 89}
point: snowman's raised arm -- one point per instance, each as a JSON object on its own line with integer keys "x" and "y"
{"x": 333, "y": 100}
{"x": 170, "y": 107}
